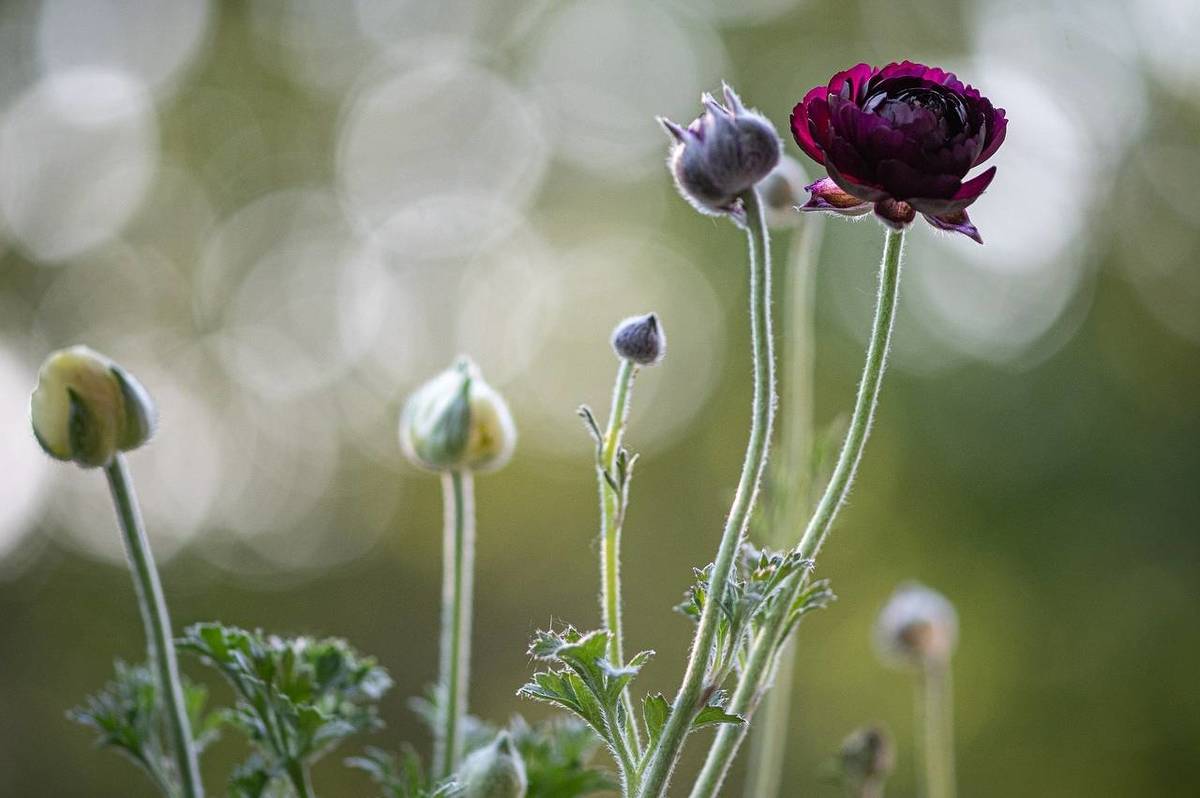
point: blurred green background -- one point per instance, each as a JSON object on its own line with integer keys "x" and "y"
{"x": 283, "y": 215}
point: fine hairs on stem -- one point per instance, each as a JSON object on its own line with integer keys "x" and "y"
{"x": 458, "y": 554}
{"x": 692, "y": 693}
{"x": 159, "y": 639}
{"x": 755, "y": 677}
{"x": 611, "y": 512}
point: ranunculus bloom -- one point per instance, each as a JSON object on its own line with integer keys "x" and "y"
{"x": 899, "y": 140}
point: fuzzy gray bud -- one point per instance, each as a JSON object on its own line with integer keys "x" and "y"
{"x": 494, "y": 771}
{"x": 918, "y": 626}
{"x": 722, "y": 154}
{"x": 641, "y": 339}
{"x": 867, "y": 757}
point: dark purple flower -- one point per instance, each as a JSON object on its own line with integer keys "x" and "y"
{"x": 899, "y": 140}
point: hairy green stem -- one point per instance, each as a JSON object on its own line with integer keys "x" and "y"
{"x": 611, "y": 520}
{"x": 768, "y": 736}
{"x": 159, "y": 640}
{"x": 298, "y": 776}
{"x": 936, "y": 713}
{"x": 696, "y": 688}
{"x": 755, "y": 678}
{"x": 458, "y": 570}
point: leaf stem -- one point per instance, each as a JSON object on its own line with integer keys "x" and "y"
{"x": 694, "y": 688}
{"x": 936, "y": 712}
{"x": 611, "y": 520}
{"x": 458, "y": 557}
{"x": 756, "y": 676}
{"x": 159, "y": 640}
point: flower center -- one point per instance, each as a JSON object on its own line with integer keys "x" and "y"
{"x": 902, "y": 99}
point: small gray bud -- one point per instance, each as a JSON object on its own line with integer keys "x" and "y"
{"x": 721, "y": 154}
{"x": 494, "y": 771}
{"x": 867, "y": 756}
{"x": 918, "y": 626}
{"x": 640, "y": 339}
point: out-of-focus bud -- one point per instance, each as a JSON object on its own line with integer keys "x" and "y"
{"x": 86, "y": 408}
{"x": 494, "y": 771}
{"x": 867, "y": 756}
{"x": 456, "y": 421}
{"x": 917, "y": 626}
{"x": 722, "y": 154}
{"x": 782, "y": 193}
{"x": 641, "y": 339}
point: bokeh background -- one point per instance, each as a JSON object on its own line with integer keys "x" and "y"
{"x": 283, "y": 215}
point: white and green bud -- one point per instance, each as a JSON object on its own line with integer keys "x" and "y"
{"x": 782, "y": 193}
{"x": 457, "y": 422}
{"x": 641, "y": 339}
{"x": 917, "y": 627}
{"x": 86, "y": 408}
{"x": 494, "y": 771}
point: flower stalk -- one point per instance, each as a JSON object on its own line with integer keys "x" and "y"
{"x": 159, "y": 640}
{"x": 756, "y": 676}
{"x": 611, "y": 520}
{"x": 935, "y": 711}
{"x": 458, "y": 557}
{"x": 697, "y": 687}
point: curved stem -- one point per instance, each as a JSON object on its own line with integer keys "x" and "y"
{"x": 693, "y": 692}
{"x": 159, "y": 641}
{"x": 937, "y": 737}
{"x": 756, "y": 676}
{"x": 768, "y": 737}
{"x": 611, "y": 520}
{"x": 458, "y": 569}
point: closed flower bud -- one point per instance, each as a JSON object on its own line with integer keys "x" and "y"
{"x": 86, "y": 408}
{"x": 456, "y": 421}
{"x": 641, "y": 339}
{"x": 917, "y": 626}
{"x": 867, "y": 756}
{"x": 722, "y": 154}
{"x": 782, "y": 193}
{"x": 494, "y": 771}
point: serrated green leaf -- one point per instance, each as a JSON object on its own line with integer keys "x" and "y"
{"x": 711, "y": 715}
{"x": 655, "y": 711}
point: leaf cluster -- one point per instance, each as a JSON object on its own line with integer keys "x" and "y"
{"x": 297, "y": 698}
{"x": 127, "y": 712}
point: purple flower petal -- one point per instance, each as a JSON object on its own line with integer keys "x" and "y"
{"x": 964, "y": 196}
{"x": 957, "y": 222}
{"x": 826, "y": 195}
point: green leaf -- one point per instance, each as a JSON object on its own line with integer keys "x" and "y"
{"x": 712, "y": 715}
{"x": 655, "y": 711}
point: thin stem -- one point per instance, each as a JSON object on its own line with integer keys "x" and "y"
{"x": 298, "y": 776}
{"x": 159, "y": 640}
{"x": 458, "y": 569}
{"x": 937, "y": 716}
{"x": 694, "y": 689}
{"x": 611, "y": 520}
{"x": 756, "y": 676}
{"x": 768, "y": 737}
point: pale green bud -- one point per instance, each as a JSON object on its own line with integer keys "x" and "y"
{"x": 494, "y": 771}
{"x": 456, "y": 421}
{"x": 86, "y": 408}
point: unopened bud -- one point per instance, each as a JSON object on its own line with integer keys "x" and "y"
{"x": 782, "y": 192}
{"x": 641, "y": 339}
{"x": 494, "y": 771}
{"x": 86, "y": 408}
{"x": 456, "y": 421}
{"x": 721, "y": 154}
{"x": 867, "y": 756}
{"x": 917, "y": 626}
